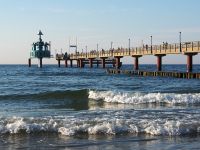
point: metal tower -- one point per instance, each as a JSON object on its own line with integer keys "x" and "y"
{"x": 40, "y": 50}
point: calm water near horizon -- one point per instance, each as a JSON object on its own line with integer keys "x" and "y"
{"x": 73, "y": 108}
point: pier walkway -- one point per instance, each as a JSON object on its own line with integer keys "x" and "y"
{"x": 113, "y": 56}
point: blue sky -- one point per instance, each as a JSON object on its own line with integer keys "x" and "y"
{"x": 95, "y": 21}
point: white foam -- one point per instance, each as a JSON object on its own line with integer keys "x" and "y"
{"x": 66, "y": 131}
{"x": 107, "y": 122}
{"x": 141, "y": 98}
{"x": 172, "y": 128}
{"x": 14, "y": 125}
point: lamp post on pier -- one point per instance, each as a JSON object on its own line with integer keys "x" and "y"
{"x": 151, "y": 43}
{"x": 97, "y": 52}
{"x": 86, "y": 50}
{"x": 111, "y": 44}
{"x": 180, "y": 41}
{"x": 129, "y": 46}
{"x": 97, "y": 47}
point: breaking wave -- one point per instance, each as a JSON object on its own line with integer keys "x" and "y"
{"x": 143, "y": 98}
{"x": 105, "y": 123}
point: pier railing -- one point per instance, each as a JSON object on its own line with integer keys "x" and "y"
{"x": 165, "y": 48}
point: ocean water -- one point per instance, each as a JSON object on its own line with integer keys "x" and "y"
{"x": 73, "y": 108}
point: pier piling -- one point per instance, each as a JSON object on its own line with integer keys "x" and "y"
{"x": 118, "y": 63}
{"x": 97, "y": 63}
{"x": 71, "y": 63}
{"x": 66, "y": 63}
{"x": 136, "y": 62}
{"x": 103, "y": 62}
{"x": 91, "y": 62}
{"x": 81, "y": 63}
{"x": 190, "y": 61}
{"x": 40, "y": 63}
{"x": 159, "y": 61}
{"x": 29, "y": 62}
{"x": 78, "y": 63}
{"x": 59, "y": 63}
{"x": 136, "y": 66}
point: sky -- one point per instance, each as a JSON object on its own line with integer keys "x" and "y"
{"x": 96, "y": 21}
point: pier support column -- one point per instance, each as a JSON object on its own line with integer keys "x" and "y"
{"x": 190, "y": 61}
{"x": 40, "y": 63}
{"x": 91, "y": 62}
{"x": 71, "y": 63}
{"x": 136, "y": 65}
{"x": 103, "y": 62}
{"x": 97, "y": 63}
{"x": 59, "y": 63}
{"x": 136, "y": 62}
{"x": 113, "y": 63}
{"x": 66, "y": 64}
{"x": 159, "y": 61}
{"x": 78, "y": 63}
{"x": 118, "y": 63}
{"x": 81, "y": 63}
{"x": 29, "y": 62}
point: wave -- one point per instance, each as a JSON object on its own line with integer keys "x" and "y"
{"x": 144, "y": 98}
{"x": 98, "y": 125}
{"x": 75, "y": 94}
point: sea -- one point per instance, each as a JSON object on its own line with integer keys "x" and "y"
{"x": 86, "y": 108}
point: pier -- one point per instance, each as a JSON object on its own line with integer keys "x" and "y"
{"x": 184, "y": 75}
{"x": 113, "y": 56}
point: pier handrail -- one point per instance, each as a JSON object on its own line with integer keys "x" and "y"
{"x": 165, "y": 48}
